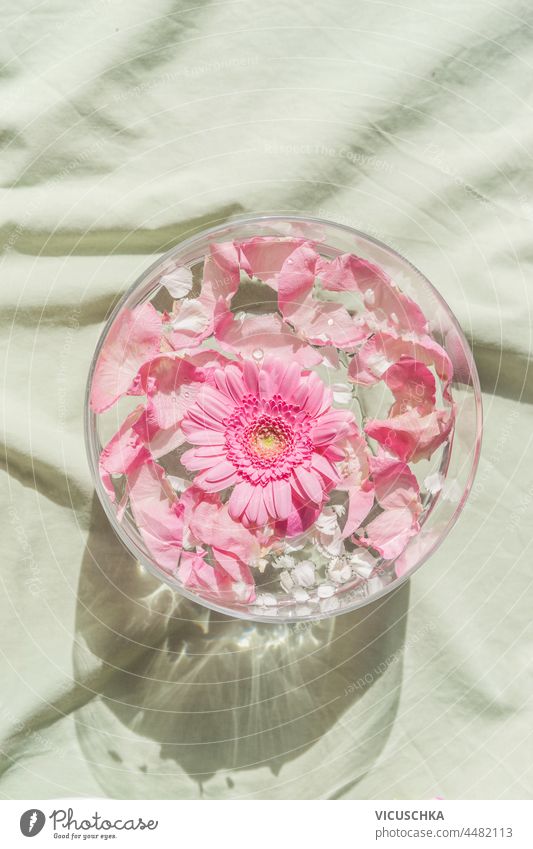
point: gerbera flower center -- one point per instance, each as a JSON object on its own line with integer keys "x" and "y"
{"x": 265, "y": 440}
{"x": 268, "y": 438}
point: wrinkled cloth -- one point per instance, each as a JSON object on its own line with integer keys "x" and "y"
{"x": 127, "y": 127}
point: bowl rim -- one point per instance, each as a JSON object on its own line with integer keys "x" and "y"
{"x": 90, "y": 418}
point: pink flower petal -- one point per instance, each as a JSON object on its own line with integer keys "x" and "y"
{"x": 264, "y": 333}
{"x": 195, "y": 574}
{"x": 158, "y": 515}
{"x": 384, "y": 349}
{"x": 230, "y": 382}
{"x": 204, "y": 419}
{"x": 207, "y": 361}
{"x": 213, "y": 403}
{"x": 123, "y": 453}
{"x": 330, "y": 324}
{"x": 395, "y": 484}
{"x": 200, "y": 436}
{"x": 296, "y": 279}
{"x": 233, "y": 546}
{"x": 310, "y": 484}
{"x": 159, "y": 441}
{"x": 255, "y": 514}
{"x": 333, "y": 426}
{"x": 390, "y": 532}
{"x": 192, "y": 321}
{"x": 171, "y": 384}
{"x": 349, "y": 273}
{"x": 301, "y": 516}
{"x": 266, "y": 255}
{"x": 311, "y": 394}
{"x": 281, "y": 495}
{"x": 412, "y": 385}
{"x": 133, "y": 338}
{"x": 218, "y": 477}
{"x": 239, "y": 499}
{"x": 325, "y": 468}
{"x": 268, "y": 498}
{"x": 412, "y": 436}
{"x": 202, "y": 457}
{"x": 320, "y": 322}
{"x": 360, "y": 503}
{"x": 251, "y": 377}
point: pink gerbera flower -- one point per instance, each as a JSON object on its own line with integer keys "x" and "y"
{"x": 270, "y": 432}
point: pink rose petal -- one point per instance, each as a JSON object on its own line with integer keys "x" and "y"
{"x": 382, "y": 350}
{"x": 412, "y": 385}
{"x": 268, "y": 333}
{"x": 395, "y": 484}
{"x": 233, "y": 546}
{"x": 157, "y": 513}
{"x": 123, "y": 453}
{"x": 196, "y": 574}
{"x": 412, "y": 436}
{"x": 380, "y": 295}
{"x": 171, "y": 384}
{"x": 320, "y": 322}
{"x": 159, "y": 441}
{"x": 360, "y": 503}
{"x": 133, "y": 338}
{"x": 265, "y": 256}
{"x": 390, "y": 532}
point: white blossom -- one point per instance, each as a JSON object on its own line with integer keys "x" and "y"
{"x": 304, "y": 574}
{"x": 284, "y": 561}
{"x": 286, "y": 581}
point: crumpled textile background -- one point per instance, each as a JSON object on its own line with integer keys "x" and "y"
{"x": 126, "y": 127}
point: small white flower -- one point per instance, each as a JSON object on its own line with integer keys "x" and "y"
{"x": 328, "y": 605}
{"x": 434, "y": 482}
{"x": 304, "y": 574}
{"x": 286, "y": 581}
{"x": 452, "y": 491}
{"x": 284, "y": 561}
{"x": 325, "y": 590}
{"x": 340, "y": 571}
{"x": 327, "y": 523}
{"x": 339, "y": 509}
{"x": 178, "y": 282}
{"x": 300, "y": 595}
{"x": 332, "y": 548}
{"x": 266, "y": 600}
{"x": 241, "y": 590}
{"x": 362, "y": 563}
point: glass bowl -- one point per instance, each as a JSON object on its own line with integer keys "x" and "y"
{"x": 283, "y": 419}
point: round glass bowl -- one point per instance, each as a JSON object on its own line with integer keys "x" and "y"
{"x": 283, "y": 418}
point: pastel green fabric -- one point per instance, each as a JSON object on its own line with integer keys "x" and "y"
{"x": 127, "y": 126}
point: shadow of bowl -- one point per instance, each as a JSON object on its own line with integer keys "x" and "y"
{"x": 182, "y": 702}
